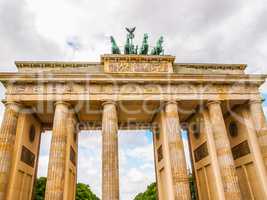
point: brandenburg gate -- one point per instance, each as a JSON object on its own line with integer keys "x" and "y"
{"x": 218, "y": 105}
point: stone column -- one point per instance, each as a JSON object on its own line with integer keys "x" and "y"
{"x": 110, "y": 163}
{"x": 256, "y": 151}
{"x": 257, "y": 114}
{"x": 56, "y": 167}
{"x": 176, "y": 149}
{"x": 259, "y": 121}
{"x": 213, "y": 156}
{"x": 224, "y": 153}
{"x": 7, "y": 141}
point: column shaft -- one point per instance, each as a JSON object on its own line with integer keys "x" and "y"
{"x": 71, "y": 163}
{"x": 259, "y": 121}
{"x": 224, "y": 153}
{"x": 256, "y": 151}
{"x": 56, "y": 168}
{"x": 110, "y": 163}
{"x": 213, "y": 156}
{"x": 176, "y": 149}
{"x": 257, "y": 114}
{"x": 7, "y": 141}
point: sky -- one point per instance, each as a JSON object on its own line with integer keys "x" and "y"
{"x": 203, "y": 31}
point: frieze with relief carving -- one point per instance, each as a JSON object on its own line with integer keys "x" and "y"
{"x": 137, "y": 64}
{"x": 130, "y": 88}
{"x": 137, "y": 67}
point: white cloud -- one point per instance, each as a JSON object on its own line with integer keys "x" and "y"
{"x": 195, "y": 31}
{"x": 89, "y": 160}
{"x": 187, "y": 154}
{"x": 136, "y": 162}
{"x": 43, "y": 165}
{"x": 19, "y": 37}
{"x": 143, "y": 153}
{"x": 136, "y": 166}
{"x": 265, "y": 110}
{"x": 44, "y": 154}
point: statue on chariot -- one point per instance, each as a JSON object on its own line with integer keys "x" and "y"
{"x": 130, "y": 48}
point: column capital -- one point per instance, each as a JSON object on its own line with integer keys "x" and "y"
{"x": 63, "y": 103}
{"x": 13, "y": 105}
{"x": 255, "y": 101}
{"x": 109, "y": 101}
{"x": 6, "y": 103}
{"x": 168, "y": 102}
{"x": 210, "y": 102}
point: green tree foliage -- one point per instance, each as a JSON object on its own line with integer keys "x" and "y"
{"x": 192, "y": 187}
{"x": 83, "y": 191}
{"x": 40, "y": 188}
{"x": 149, "y": 194}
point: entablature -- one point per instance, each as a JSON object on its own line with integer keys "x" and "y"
{"x": 132, "y": 77}
{"x": 111, "y": 63}
{"x": 131, "y": 90}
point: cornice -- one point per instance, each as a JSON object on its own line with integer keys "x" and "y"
{"x": 54, "y": 64}
{"x": 214, "y": 66}
{"x": 65, "y": 64}
{"x": 136, "y": 58}
{"x": 132, "y": 77}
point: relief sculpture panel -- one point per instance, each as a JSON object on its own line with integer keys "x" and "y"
{"x": 127, "y": 88}
{"x": 138, "y": 67}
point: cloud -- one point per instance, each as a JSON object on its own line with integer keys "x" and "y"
{"x": 44, "y": 154}
{"x": 265, "y": 110}
{"x": 89, "y": 160}
{"x": 194, "y": 31}
{"x": 187, "y": 153}
{"x": 136, "y": 161}
{"x": 143, "y": 153}
{"x": 19, "y": 38}
{"x": 202, "y": 31}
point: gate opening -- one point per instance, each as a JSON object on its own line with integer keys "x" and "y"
{"x": 136, "y": 162}
{"x": 89, "y": 160}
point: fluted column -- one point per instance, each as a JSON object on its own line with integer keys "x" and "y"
{"x": 259, "y": 121}
{"x": 176, "y": 149}
{"x": 224, "y": 153}
{"x": 257, "y": 114}
{"x": 256, "y": 151}
{"x": 7, "y": 140}
{"x": 56, "y": 167}
{"x": 110, "y": 163}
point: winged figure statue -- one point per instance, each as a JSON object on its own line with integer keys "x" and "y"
{"x": 158, "y": 49}
{"x": 130, "y": 32}
{"x": 129, "y": 47}
{"x": 114, "y": 47}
